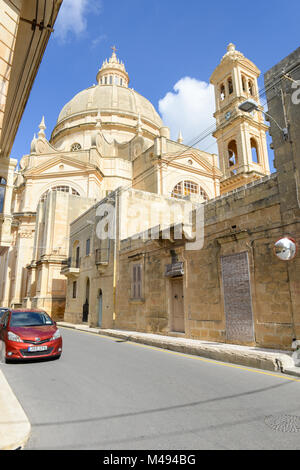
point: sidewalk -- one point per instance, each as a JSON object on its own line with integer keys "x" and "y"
{"x": 14, "y": 425}
{"x": 258, "y": 358}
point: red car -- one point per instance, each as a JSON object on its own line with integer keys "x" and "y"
{"x": 28, "y": 333}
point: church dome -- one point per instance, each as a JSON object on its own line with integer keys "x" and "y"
{"x": 122, "y": 109}
{"x": 107, "y": 98}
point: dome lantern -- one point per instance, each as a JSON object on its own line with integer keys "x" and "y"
{"x": 118, "y": 110}
{"x": 113, "y": 72}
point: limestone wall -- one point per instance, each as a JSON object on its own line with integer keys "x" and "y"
{"x": 245, "y": 221}
{"x": 282, "y": 83}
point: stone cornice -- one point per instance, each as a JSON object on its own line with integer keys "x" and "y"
{"x": 25, "y": 66}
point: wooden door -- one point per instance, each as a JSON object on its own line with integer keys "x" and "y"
{"x": 100, "y": 308}
{"x": 177, "y": 321}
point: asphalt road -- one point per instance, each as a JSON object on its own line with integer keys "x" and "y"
{"x": 104, "y": 393}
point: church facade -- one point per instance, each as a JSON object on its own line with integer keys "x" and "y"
{"x": 110, "y": 147}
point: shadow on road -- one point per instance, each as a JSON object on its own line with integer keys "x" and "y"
{"x": 159, "y": 410}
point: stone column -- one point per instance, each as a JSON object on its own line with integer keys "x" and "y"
{"x": 24, "y": 247}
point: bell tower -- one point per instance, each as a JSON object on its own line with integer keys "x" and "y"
{"x": 241, "y": 136}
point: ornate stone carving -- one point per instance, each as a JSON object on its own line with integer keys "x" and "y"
{"x": 25, "y": 234}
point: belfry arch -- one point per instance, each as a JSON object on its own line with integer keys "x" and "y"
{"x": 241, "y": 136}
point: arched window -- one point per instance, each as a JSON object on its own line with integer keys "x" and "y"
{"x": 85, "y": 308}
{"x": 75, "y": 147}
{"x": 243, "y": 83}
{"x": 186, "y": 188}
{"x": 2, "y": 192}
{"x": 63, "y": 189}
{"x": 77, "y": 257}
{"x": 232, "y": 153}
{"x": 254, "y": 150}
{"x": 230, "y": 85}
{"x": 222, "y": 92}
{"x": 76, "y": 254}
{"x": 251, "y": 87}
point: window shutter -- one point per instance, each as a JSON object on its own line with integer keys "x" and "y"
{"x": 138, "y": 281}
{"x": 136, "y": 291}
{"x": 74, "y": 289}
{"x": 133, "y": 281}
{"x": 88, "y": 246}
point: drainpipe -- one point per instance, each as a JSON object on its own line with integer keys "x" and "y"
{"x": 116, "y": 241}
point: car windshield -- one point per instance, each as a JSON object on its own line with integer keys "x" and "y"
{"x": 2, "y": 312}
{"x": 30, "y": 319}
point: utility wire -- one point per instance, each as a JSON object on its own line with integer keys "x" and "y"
{"x": 208, "y": 132}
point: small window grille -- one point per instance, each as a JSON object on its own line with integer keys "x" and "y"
{"x": 75, "y": 147}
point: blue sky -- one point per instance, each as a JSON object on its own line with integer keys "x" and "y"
{"x": 164, "y": 44}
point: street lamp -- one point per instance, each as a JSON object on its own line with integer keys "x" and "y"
{"x": 250, "y": 105}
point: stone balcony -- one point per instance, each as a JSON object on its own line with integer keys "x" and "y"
{"x": 71, "y": 268}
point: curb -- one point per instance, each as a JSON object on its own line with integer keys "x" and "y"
{"x": 257, "y": 358}
{"x": 14, "y": 425}
{"x": 295, "y": 371}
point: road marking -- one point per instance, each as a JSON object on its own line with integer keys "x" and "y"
{"x": 189, "y": 356}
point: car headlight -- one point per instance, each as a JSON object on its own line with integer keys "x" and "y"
{"x": 12, "y": 337}
{"x": 56, "y": 335}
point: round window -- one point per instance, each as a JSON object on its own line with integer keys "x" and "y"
{"x": 75, "y": 147}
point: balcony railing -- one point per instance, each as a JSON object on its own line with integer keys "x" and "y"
{"x": 102, "y": 253}
{"x": 102, "y": 256}
{"x": 174, "y": 269}
{"x": 71, "y": 267}
{"x": 71, "y": 263}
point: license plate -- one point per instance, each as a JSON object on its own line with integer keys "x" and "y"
{"x": 37, "y": 348}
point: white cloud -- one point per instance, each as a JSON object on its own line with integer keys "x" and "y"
{"x": 97, "y": 40}
{"x": 190, "y": 108}
{"x": 72, "y": 17}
